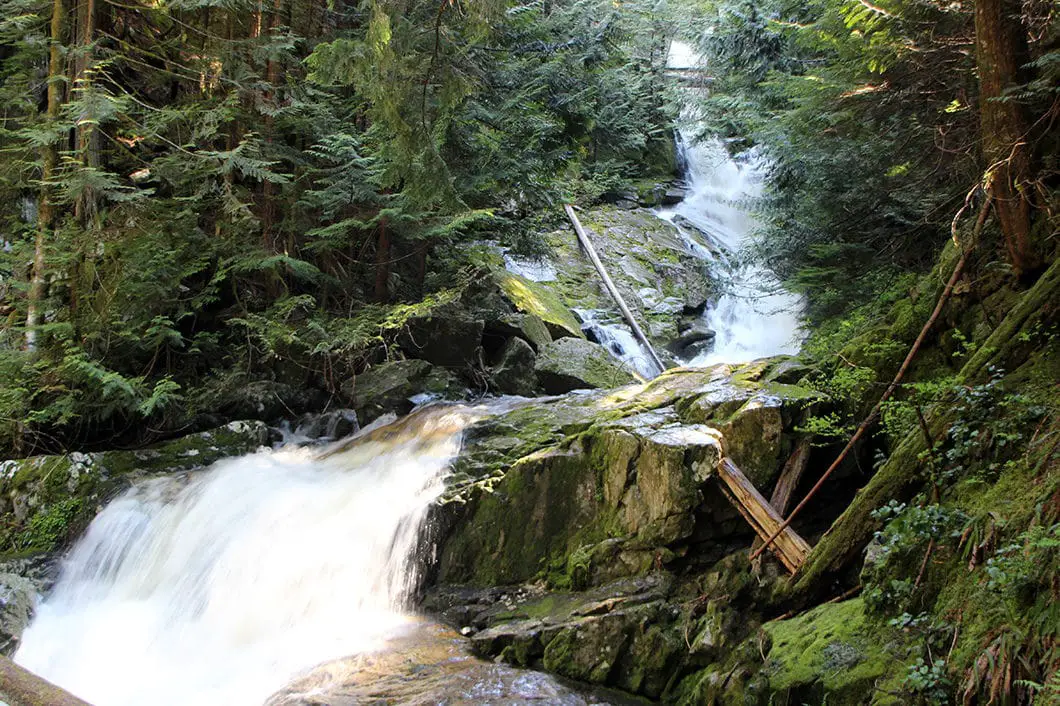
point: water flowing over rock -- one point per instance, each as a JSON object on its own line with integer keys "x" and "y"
{"x": 51, "y": 499}
{"x": 654, "y": 266}
{"x": 220, "y": 587}
{"x": 754, "y": 315}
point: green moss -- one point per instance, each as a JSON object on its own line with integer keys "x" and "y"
{"x": 533, "y": 298}
{"x": 49, "y": 529}
{"x": 830, "y": 652}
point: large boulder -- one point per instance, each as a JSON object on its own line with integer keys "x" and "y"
{"x": 576, "y": 364}
{"x": 658, "y": 268}
{"x": 593, "y": 487}
{"x": 449, "y": 337}
{"x": 48, "y": 500}
{"x": 540, "y": 300}
{"x": 514, "y": 372}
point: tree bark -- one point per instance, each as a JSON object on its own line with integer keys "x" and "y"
{"x": 587, "y": 245}
{"x": 789, "y": 547}
{"x": 86, "y": 208}
{"x": 1001, "y": 52}
{"x": 382, "y": 262}
{"x": 50, "y": 159}
{"x": 271, "y": 95}
{"x": 899, "y": 479}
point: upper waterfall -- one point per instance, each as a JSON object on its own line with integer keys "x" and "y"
{"x": 755, "y": 316}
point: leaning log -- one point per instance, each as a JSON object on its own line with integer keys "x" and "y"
{"x": 21, "y": 687}
{"x": 587, "y": 245}
{"x": 788, "y": 546}
{"x": 898, "y": 478}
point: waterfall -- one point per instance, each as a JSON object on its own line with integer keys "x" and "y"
{"x": 755, "y": 316}
{"x": 617, "y": 338}
{"x": 219, "y": 587}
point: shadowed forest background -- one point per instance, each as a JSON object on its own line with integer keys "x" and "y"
{"x": 201, "y": 200}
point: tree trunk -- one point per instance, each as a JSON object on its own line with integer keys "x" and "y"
{"x": 50, "y": 158}
{"x": 382, "y": 262}
{"x": 270, "y": 98}
{"x": 86, "y": 208}
{"x": 1001, "y": 51}
{"x": 899, "y": 478}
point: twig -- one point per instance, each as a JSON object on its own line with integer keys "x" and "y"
{"x": 923, "y": 564}
{"x": 845, "y": 595}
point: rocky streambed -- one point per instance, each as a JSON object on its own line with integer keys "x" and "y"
{"x": 582, "y": 531}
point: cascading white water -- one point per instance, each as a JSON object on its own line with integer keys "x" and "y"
{"x": 219, "y": 588}
{"x": 617, "y": 338}
{"x": 755, "y": 316}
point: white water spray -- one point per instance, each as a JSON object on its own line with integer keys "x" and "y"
{"x": 617, "y": 338}
{"x": 219, "y": 588}
{"x": 755, "y": 317}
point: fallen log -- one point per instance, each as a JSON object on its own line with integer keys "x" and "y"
{"x": 789, "y": 479}
{"x": 790, "y": 476}
{"x": 21, "y": 687}
{"x": 789, "y": 547}
{"x": 874, "y": 414}
{"x": 898, "y": 478}
{"x": 587, "y": 245}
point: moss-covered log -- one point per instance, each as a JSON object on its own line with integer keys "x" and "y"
{"x": 899, "y": 478}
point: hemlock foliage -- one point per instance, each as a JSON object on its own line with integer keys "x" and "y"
{"x": 870, "y": 114}
{"x": 230, "y": 192}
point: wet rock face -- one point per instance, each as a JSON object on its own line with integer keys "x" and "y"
{"x": 590, "y": 488}
{"x": 613, "y": 635}
{"x": 390, "y": 387}
{"x": 576, "y": 364}
{"x": 18, "y": 599}
{"x": 651, "y": 263}
{"x": 430, "y": 664}
{"x": 49, "y": 500}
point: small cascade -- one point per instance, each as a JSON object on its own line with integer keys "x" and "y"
{"x": 617, "y": 338}
{"x": 220, "y": 587}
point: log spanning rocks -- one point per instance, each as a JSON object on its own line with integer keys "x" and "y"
{"x": 605, "y": 485}
{"x": 604, "y": 537}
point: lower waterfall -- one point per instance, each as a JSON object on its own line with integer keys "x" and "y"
{"x": 221, "y": 586}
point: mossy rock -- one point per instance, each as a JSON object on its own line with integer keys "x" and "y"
{"x": 592, "y": 487}
{"x": 575, "y": 364}
{"x": 831, "y": 653}
{"x": 534, "y": 298}
{"x": 47, "y": 501}
{"x": 390, "y": 387}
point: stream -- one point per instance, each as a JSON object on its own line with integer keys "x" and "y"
{"x": 287, "y": 576}
{"x": 755, "y": 316}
